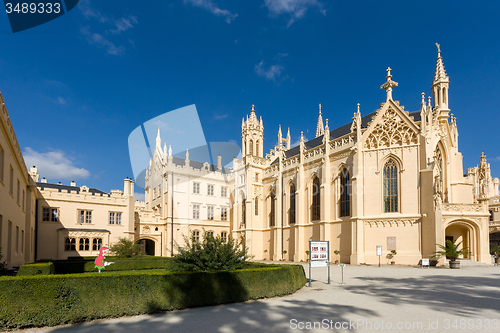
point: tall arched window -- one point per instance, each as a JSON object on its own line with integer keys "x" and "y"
{"x": 390, "y": 187}
{"x": 243, "y": 209}
{"x": 257, "y": 147}
{"x": 439, "y": 180}
{"x": 291, "y": 211}
{"x": 272, "y": 214}
{"x": 345, "y": 193}
{"x": 251, "y": 147}
{"x": 315, "y": 206}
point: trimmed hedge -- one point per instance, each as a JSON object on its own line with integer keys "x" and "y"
{"x": 42, "y": 268}
{"x": 29, "y": 301}
{"x": 86, "y": 264}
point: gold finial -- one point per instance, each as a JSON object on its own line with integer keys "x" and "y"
{"x": 423, "y": 98}
{"x": 253, "y": 106}
{"x": 327, "y": 123}
{"x": 439, "y": 49}
{"x": 358, "y": 107}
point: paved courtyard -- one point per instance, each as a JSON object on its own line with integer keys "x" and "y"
{"x": 373, "y": 299}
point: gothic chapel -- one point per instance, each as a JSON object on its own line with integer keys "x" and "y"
{"x": 392, "y": 178}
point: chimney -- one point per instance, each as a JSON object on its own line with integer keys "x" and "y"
{"x": 219, "y": 162}
{"x": 44, "y": 180}
{"x": 34, "y": 173}
{"x": 73, "y": 183}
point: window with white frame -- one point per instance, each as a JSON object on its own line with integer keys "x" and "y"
{"x": 85, "y": 216}
{"x": 118, "y": 218}
{"x": 223, "y": 214}
{"x": 210, "y": 189}
{"x": 223, "y": 191}
{"x": 210, "y": 233}
{"x": 84, "y": 244}
{"x": 112, "y": 218}
{"x": 196, "y": 211}
{"x": 223, "y": 236}
{"x": 196, "y": 235}
{"x": 196, "y": 188}
{"x": 70, "y": 244}
{"x": 210, "y": 212}
{"x": 50, "y": 214}
{"x": 96, "y": 244}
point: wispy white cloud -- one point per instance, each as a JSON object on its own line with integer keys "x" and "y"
{"x": 54, "y": 165}
{"x": 101, "y": 41}
{"x": 140, "y": 196}
{"x": 270, "y": 73}
{"x": 124, "y": 24}
{"x": 209, "y": 5}
{"x": 220, "y": 116}
{"x": 495, "y": 159}
{"x": 103, "y": 37}
{"x": 62, "y": 100}
{"x": 295, "y": 8}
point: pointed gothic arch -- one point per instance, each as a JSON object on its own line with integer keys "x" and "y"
{"x": 390, "y": 186}
{"x": 345, "y": 192}
{"x": 315, "y": 199}
{"x": 292, "y": 203}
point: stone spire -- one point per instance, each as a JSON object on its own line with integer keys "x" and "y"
{"x": 440, "y": 86}
{"x": 288, "y": 139}
{"x": 320, "y": 130}
{"x": 440, "y": 74}
{"x": 158, "y": 139}
{"x": 389, "y": 84}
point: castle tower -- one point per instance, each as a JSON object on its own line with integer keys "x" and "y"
{"x": 252, "y": 135}
{"x": 440, "y": 86}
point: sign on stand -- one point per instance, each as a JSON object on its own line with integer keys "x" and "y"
{"x": 319, "y": 256}
{"x": 379, "y": 253}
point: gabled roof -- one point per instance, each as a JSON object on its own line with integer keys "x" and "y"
{"x": 339, "y": 132}
{"x": 68, "y": 188}
{"x": 199, "y": 165}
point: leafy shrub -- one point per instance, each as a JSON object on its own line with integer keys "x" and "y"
{"x": 211, "y": 254}
{"x": 125, "y": 248}
{"x": 43, "y": 268}
{"x": 29, "y": 301}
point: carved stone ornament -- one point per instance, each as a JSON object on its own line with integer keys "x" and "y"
{"x": 391, "y": 131}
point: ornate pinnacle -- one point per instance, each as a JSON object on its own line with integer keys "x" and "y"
{"x": 320, "y": 109}
{"x": 439, "y": 49}
{"x": 389, "y": 84}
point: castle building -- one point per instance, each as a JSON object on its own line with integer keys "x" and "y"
{"x": 183, "y": 198}
{"x": 392, "y": 178}
{"x": 17, "y": 198}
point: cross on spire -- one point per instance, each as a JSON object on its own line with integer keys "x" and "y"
{"x": 389, "y": 84}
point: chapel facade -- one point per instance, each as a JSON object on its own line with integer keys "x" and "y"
{"x": 392, "y": 178}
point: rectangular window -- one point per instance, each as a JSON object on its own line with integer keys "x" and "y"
{"x": 210, "y": 189}
{"x": 223, "y": 236}
{"x": 54, "y": 214}
{"x": 85, "y": 216}
{"x": 24, "y": 194}
{"x": 70, "y": 244}
{"x": 46, "y": 214}
{"x": 11, "y": 181}
{"x": 256, "y": 176}
{"x": 118, "y": 218}
{"x": 223, "y": 191}
{"x": 111, "y": 218}
{"x": 96, "y": 244}
{"x": 1, "y": 163}
{"x": 1, "y": 230}
{"x": 196, "y": 188}
{"x": 210, "y": 212}
{"x": 18, "y": 195}
{"x": 196, "y": 211}
{"x": 22, "y": 241}
{"x": 17, "y": 240}
{"x": 223, "y": 214}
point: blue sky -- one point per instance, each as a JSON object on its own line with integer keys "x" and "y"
{"x": 76, "y": 87}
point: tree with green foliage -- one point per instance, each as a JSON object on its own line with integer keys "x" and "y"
{"x": 211, "y": 254}
{"x": 3, "y": 264}
{"x": 125, "y": 248}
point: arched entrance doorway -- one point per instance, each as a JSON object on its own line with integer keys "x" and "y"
{"x": 465, "y": 233}
{"x": 147, "y": 246}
